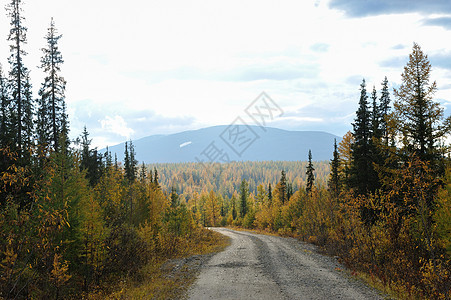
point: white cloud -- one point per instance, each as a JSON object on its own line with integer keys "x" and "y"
{"x": 116, "y": 125}
{"x": 205, "y": 61}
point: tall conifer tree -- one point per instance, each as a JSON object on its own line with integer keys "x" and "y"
{"x": 52, "y": 118}
{"x": 130, "y": 162}
{"x": 309, "y": 173}
{"x": 282, "y": 187}
{"x": 5, "y": 127}
{"x": 361, "y": 163}
{"x": 269, "y": 194}
{"x": 420, "y": 117}
{"x": 334, "y": 177}
{"x": 19, "y": 82}
{"x": 375, "y": 116}
{"x": 244, "y": 194}
{"x": 384, "y": 109}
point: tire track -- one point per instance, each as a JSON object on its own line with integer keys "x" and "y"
{"x": 258, "y": 266}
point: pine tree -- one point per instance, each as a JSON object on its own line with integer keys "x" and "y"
{"x": 309, "y": 173}
{"x": 334, "y": 177}
{"x": 52, "y": 108}
{"x": 20, "y": 89}
{"x": 420, "y": 117}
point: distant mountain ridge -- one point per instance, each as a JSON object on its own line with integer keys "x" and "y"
{"x": 231, "y": 143}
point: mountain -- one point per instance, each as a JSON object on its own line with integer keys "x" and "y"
{"x": 231, "y": 143}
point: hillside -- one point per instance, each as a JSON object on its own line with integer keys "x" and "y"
{"x": 253, "y": 144}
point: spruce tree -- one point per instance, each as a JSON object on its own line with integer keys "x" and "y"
{"x": 130, "y": 162}
{"x": 133, "y": 162}
{"x": 155, "y": 178}
{"x": 143, "y": 173}
{"x": 91, "y": 161}
{"x": 42, "y": 129}
{"x": 116, "y": 164}
{"x": 420, "y": 118}
{"x": 375, "y": 116}
{"x": 233, "y": 207}
{"x": 5, "y": 115}
{"x": 52, "y": 93}
{"x": 175, "y": 202}
{"x": 289, "y": 191}
{"x": 22, "y": 106}
{"x": 361, "y": 163}
{"x": 384, "y": 109}
{"x": 126, "y": 161}
{"x": 108, "y": 159}
{"x": 309, "y": 173}
{"x": 244, "y": 194}
{"x": 269, "y": 194}
{"x": 27, "y": 122}
{"x": 5, "y": 132}
{"x": 375, "y": 142}
{"x": 334, "y": 176}
{"x": 282, "y": 187}
{"x": 345, "y": 153}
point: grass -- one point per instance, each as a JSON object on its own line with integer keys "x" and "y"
{"x": 170, "y": 278}
{"x": 391, "y": 292}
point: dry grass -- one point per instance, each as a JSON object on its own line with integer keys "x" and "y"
{"x": 390, "y": 292}
{"x": 166, "y": 278}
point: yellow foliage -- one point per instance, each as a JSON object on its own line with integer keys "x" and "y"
{"x": 442, "y": 214}
{"x": 59, "y": 274}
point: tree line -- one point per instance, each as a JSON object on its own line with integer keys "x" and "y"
{"x": 191, "y": 179}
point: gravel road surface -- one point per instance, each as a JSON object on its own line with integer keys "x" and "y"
{"x": 258, "y": 266}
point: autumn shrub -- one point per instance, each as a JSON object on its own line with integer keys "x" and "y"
{"x": 248, "y": 221}
{"x": 126, "y": 251}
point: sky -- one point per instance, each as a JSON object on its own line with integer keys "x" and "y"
{"x": 140, "y": 67}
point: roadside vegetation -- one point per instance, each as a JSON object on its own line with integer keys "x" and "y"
{"x": 385, "y": 210}
{"x": 75, "y": 223}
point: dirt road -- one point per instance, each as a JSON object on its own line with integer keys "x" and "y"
{"x": 258, "y": 266}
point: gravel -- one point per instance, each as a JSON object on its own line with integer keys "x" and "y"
{"x": 259, "y": 266}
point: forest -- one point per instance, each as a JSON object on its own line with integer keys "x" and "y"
{"x": 72, "y": 223}
{"x": 77, "y": 223}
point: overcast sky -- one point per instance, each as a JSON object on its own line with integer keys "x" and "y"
{"x": 139, "y": 67}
